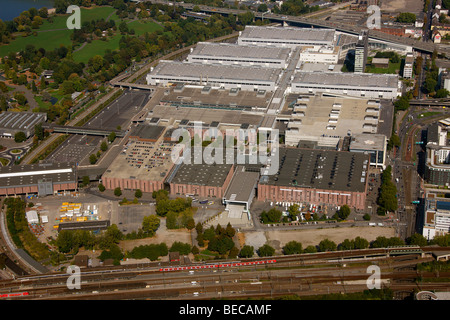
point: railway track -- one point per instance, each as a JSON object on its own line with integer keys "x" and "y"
{"x": 287, "y": 272}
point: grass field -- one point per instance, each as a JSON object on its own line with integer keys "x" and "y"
{"x": 100, "y": 46}
{"x": 96, "y": 47}
{"x": 141, "y": 27}
{"x": 53, "y": 37}
{"x": 47, "y": 40}
{"x": 59, "y": 21}
{"x": 393, "y": 68}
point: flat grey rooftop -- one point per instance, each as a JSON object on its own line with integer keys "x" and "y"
{"x": 202, "y": 174}
{"x": 21, "y": 120}
{"x": 145, "y": 131}
{"x": 288, "y": 33}
{"x": 24, "y": 175}
{"x": 363, "y": 80}
{"x": 242, "y": 185}
{"x": 237, "y": 51}
{"x": 320, "y": 169}
{"x": 367, "y": 142}
{"x": 220, "y": 99}
{"x": 350, "y": 114}
{"x": 214, "y": 71}
{"x": 207, "y": 116}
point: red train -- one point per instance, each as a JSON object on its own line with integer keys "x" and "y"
{"x": 218, "y": 265}
{"x": 10, "y": 295}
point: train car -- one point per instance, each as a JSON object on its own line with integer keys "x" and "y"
{"x": 11, "y": 295}
{"x": 219, "y": 265}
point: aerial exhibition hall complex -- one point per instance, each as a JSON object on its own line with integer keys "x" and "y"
{"x": 218, "y": 147}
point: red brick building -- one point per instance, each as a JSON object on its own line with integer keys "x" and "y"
{"x": 318, "y": 177}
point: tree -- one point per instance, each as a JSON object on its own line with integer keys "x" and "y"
{"x": 402, "y": 103}
{"x": 442, "y": 93}
{"x": 160, "y": 195}
{"x": 406, "y": 17}
{"x": 266, "y": 251}
{"x": 171, "y": 220}
{"x": 327, "y": 245}
{"x": 361, "y": 243}
{"x": 112, "y": 136}
{"x": 430, "y": 84}
{"x": 117, "y": 192}
{"x": 92, "y": 159}
{"x": 21, "y": 99}
{"x": 246, "y": 252}
{"x": 262, "y": 7}
{"x": 273, "y": 215}
{"x": 150, "y": 224}
{"x": 230, "y": 231}
{"x": 418, "y": 240}
{"x": 344, "y": 212}
{"x": 96, "y": 63}
{"x": 138, "y": 193}
{"x": 39, "y": 131}
{"x": 64, "y": 241}
{"x": 190, "y": 224}
{"x": 123, "y": 27}
{"x": 310, "y": 249}
{"x": 104, "y": 146}
{"x": 292, "y": 247}
{"x": 394, "y": 141}
{"x": 294, "y": 211}
{"x": 20, "y": 137}
{"x": 113, "y": 235}
{"x": 347, "y": 245}
{"x": 199, "y": 228}
{"x": 101, "y": 187}
{"x": 86, "y": 180}
{"x": 246, "y": 18}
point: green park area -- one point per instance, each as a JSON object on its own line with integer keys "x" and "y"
{"x": 53, "y": 33}
{"x": 393, "y": 68}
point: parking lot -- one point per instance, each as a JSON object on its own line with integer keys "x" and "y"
{"x": 76, "y": 149}
{"x": 120, "y": 111}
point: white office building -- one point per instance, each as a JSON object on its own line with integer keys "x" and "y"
{"x": 437, "y": 216}
{"x": 325, "y": 54}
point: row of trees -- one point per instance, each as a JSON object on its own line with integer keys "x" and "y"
{"x": 218, "y": 239}
{"x": 19, "y": 231}
{"x": 295, "y": 247}
{"x": 387, "y": 198}
{"x": 178, "y": 212}
{"x": 276, "y": 216}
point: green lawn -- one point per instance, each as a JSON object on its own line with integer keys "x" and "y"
{"x": 53, "y": 39}
{"x": 141, "y": 27}
{"x": 46, "y": 40}
{"x": 394, "y": 68}
{"x": 59, "y": 21}
{"x": 97, "y": 47}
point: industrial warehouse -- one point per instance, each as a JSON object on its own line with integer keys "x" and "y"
{"x": 369, "y": 85}
{"x": 41, "y": 179}
{"x": 14, "y": 122}
{"x": 318, "y": 176}
{"x": 286, "y": 37}
{"x": 286, "y": 145}
{"x": 221, "y": 76}
{"x": 229, "y": 54}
